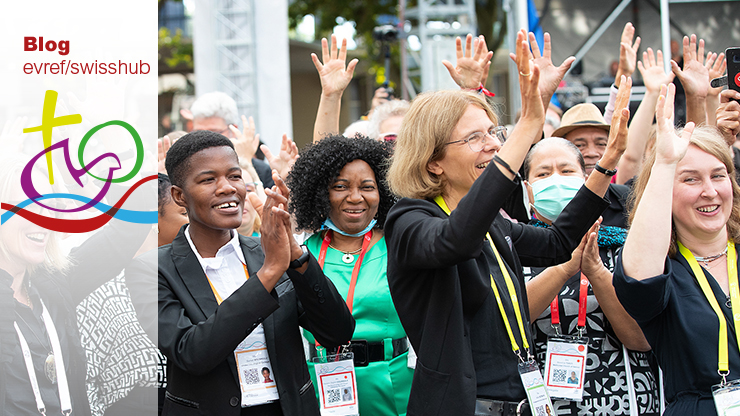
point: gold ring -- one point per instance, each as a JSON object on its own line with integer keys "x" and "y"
{"x": 525, "y": 75}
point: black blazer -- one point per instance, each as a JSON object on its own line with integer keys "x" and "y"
{"x": 438, "y": 274}
{"x": 198, "y": 336}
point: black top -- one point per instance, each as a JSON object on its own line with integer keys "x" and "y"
{"x": 496, "y": 377}
{"x": 605, "y": 391}
{"x": 683, "y": 331}
{"x": 198, "y": 335}
{"x": 438, "y": 275}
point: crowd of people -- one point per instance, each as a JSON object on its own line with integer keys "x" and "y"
{"x": 426, "y": 261}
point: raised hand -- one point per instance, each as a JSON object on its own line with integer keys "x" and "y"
{"x": 285, "y": 159}
{"x": 652, "y": 71}
{"x": 716, "y": 66}
{"x": 670, "y": 148}
{"x": 550, "y": 75}
{"x": 472, "y": 64}
{"x": 694, "y": 76}
{"x": 617, "y": 142}
{"x": 334, "y": 75}
{"x": 163, "y": 145}
{"x": 529, "y": 77}
{"x": 245, "y": 142}
{"x": 627, "y": 53}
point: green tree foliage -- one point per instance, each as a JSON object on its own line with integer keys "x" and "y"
{"x": 363, "y": 12}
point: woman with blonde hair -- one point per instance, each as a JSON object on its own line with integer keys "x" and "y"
{"x": 39, "y": 290}
{"x": 455, "y": 263}
{"x": 677, "y": 275}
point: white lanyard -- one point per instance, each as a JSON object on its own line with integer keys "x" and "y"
{"x": 56, "y": 348}
{"x": 630, "y": 383}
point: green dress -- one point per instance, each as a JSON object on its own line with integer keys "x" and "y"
{"x": 383, "y": 385}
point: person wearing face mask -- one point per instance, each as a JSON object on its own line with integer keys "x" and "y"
{"x": 577, "y": 299}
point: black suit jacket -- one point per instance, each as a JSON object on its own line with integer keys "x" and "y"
{"x": 198, "y": 336}
{"x": 438, "y": 274}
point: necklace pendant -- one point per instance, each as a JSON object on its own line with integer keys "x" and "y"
{"x": 50, "y": 368}
{"x": 348, "y": 258}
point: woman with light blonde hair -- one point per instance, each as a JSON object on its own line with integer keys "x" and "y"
{"x": 677, "y": 274}
{"x": 455, "y": 263}
{"x": 39, "y": 289}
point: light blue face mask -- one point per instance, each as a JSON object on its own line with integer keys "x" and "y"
{"x": 553, "y": 193}
{"x": 329, "y": 224}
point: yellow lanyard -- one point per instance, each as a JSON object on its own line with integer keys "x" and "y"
{"x": 215, "y": 292}
{"x": 724, "y": 361}
{"x": 509, "y": 286}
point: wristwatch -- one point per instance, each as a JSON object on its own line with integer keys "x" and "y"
{"x": 300, "y": 261}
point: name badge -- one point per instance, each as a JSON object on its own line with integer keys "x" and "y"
{"x": 727, "y": 398}
{"x": 539, "y": 400}
{"x": 337, "y": 384}
{"x": 565, "y": 367}
{"x": 256, "y": 378}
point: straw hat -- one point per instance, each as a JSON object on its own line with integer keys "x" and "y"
{"x": 581, "y": 115}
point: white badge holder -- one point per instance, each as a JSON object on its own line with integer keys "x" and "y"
{"x": 534, "y": 386}
{"x": 565, "y": 367}
{"x": 727, "y": 398}
{"x": 256, "y": 378}
{"x": 337, "y": 384}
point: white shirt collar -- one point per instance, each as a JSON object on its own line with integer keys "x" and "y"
{"x": 228, "y": 249}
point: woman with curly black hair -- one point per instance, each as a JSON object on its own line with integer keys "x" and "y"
{"x": 339, "y": 192}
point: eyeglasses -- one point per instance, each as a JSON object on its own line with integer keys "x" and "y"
{"x": 224, "y": 131}
{"x": 477, "y": 141}
{"x": 388, "y": 137}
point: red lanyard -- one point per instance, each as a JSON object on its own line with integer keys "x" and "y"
{"x": 358, "y": 263}
{"x": 582, "y": 301}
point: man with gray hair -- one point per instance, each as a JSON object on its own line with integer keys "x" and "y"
{"x": 216, "y": 112}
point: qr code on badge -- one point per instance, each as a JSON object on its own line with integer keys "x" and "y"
{"x": 559, "y": 376}
{"x": 251, "y": 376}
{"x": 333, "y": 396}
{"x": 540, "y": 411}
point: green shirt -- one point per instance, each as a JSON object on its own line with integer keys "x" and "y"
{"x": 383, "y": 385}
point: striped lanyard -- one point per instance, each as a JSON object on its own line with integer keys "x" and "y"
{"x": 510, "y": 288}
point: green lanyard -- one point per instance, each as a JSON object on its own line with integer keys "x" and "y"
{"x": 509, "y": 286}
{"x": 723, "y": 363}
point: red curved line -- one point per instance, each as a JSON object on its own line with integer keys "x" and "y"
{"x": 76, "y": 226}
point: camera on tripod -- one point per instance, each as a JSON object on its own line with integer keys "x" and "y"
{"x": 385, "y": 33}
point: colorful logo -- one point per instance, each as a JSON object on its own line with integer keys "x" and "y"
{"x": 68, "y": 225}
